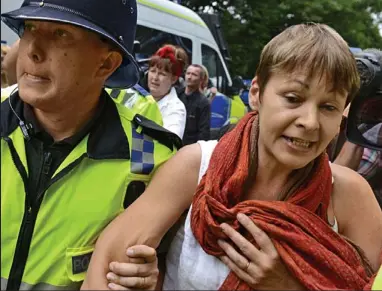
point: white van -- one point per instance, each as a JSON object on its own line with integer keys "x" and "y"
{"x": 161, "y": 22}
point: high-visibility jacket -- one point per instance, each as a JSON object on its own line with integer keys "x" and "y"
{"x": 47, "y": 243}
{"x": 238, "y": 109}
{"x": 226, "y": 110}
{"x": 377, "y": 285}
{"x": 139, "y": 101}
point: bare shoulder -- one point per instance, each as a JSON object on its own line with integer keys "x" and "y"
{"x": 357, "y": 211}
{"x": 349, "y": 181}
{"x": 351, "y": 192}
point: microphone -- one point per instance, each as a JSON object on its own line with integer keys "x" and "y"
{"x": 26, "y": 128}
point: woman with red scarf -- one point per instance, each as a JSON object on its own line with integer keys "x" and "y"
{"x": 269, "y": 211}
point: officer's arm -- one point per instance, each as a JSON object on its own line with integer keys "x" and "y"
{"x": 149, "y": 217}
{"x": 205, "y": 122}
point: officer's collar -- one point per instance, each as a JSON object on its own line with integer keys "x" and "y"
{"x": 107, "y": 138}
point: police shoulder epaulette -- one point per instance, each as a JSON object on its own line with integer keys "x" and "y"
{"x": 114, "y": 93}
{"x": 154, "y": 130}
{"x": 141, "y": 90}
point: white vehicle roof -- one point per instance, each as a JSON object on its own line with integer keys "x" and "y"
{"x": 173, "y": 17}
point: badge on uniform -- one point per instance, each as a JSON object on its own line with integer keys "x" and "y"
{"x": 80, "y": 263}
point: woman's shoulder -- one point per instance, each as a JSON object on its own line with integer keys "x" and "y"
{"x": 349, "y": 185}
{"x": 179, "y": 104}
{"x": 357, "y": 211}
{"x": 352, "y": 194}
{"x": 175, "y": 100}
{"x": 348, "y": 179}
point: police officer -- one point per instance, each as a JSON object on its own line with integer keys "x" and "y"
{"x": 71, "y": 158}
{"x": 139, "y": 101}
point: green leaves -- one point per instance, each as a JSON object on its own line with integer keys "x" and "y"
{"x": 249, "y": 24}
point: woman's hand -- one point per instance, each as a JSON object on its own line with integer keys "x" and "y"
{"x": 140, "y": 273}
{"x": 259, "y": 268}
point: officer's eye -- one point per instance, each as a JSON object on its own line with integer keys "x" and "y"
{"x": 61, "y": 33}
{"x": 29, "y": 27}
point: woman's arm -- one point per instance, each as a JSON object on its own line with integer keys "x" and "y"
{"x": 147, "y": 220}
{"x": 358, "y": 213}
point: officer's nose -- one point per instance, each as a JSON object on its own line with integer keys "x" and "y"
{"x": 35, "y": 50}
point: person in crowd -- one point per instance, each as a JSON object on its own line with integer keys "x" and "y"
{"x": 8, "y": 70}
{"x": 165, "y": 67}
{"x": 268, "y": 209}
{"x": 8, "y": 65}
{"x": 205, "y": 88}
{"x": 71, "y": 158}
{"x": 197, "y": 106}
{"x": 4, "y": 50}
{"x": 367, "y": 162}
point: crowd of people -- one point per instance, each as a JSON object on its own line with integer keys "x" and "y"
{"x": 111, "y": 182}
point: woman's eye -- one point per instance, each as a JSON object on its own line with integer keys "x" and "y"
{"x": 329, "y": 107}
{"x": 292, "y": 99}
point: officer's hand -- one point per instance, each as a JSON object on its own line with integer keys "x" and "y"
{"x": 140, "y": 273}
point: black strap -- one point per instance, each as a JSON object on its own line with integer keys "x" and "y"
{"x": 152, "y": 129}
{"x": 115, "y": 93}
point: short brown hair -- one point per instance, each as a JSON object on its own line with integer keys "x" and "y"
{"x": 318, "y": 49}
{"x": 166, "y": 64}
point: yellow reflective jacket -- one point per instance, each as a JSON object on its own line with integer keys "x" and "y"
{"x": 238, "y": 109}
{"x": 139, "y": 101}
{"x": 47, "y": 243}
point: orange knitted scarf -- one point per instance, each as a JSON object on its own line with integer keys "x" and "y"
{"x": 317, "y": 256}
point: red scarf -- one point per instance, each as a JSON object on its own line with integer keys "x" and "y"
{"x": 317, "y": 256}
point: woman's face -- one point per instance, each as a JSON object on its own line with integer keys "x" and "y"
{"x": 298, "y": 118}
{"x": 160, "y": 82}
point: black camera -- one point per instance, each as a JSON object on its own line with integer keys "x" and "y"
{"x": 364, "y": 124}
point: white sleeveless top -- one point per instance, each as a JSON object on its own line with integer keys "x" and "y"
{"x": 188, "y": 267}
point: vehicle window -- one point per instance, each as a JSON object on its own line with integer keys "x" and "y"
{"x": 212, "y": 62}
{"x": 152, "y": 39}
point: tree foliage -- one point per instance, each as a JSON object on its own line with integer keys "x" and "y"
{"x": 249, "y": 24}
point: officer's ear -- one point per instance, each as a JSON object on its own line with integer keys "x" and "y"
{"x": 111, "y": 62}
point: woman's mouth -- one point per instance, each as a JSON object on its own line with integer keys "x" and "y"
{"x": 298, "y": 143}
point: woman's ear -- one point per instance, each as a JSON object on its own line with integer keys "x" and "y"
{"x": 254, "y": 95}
